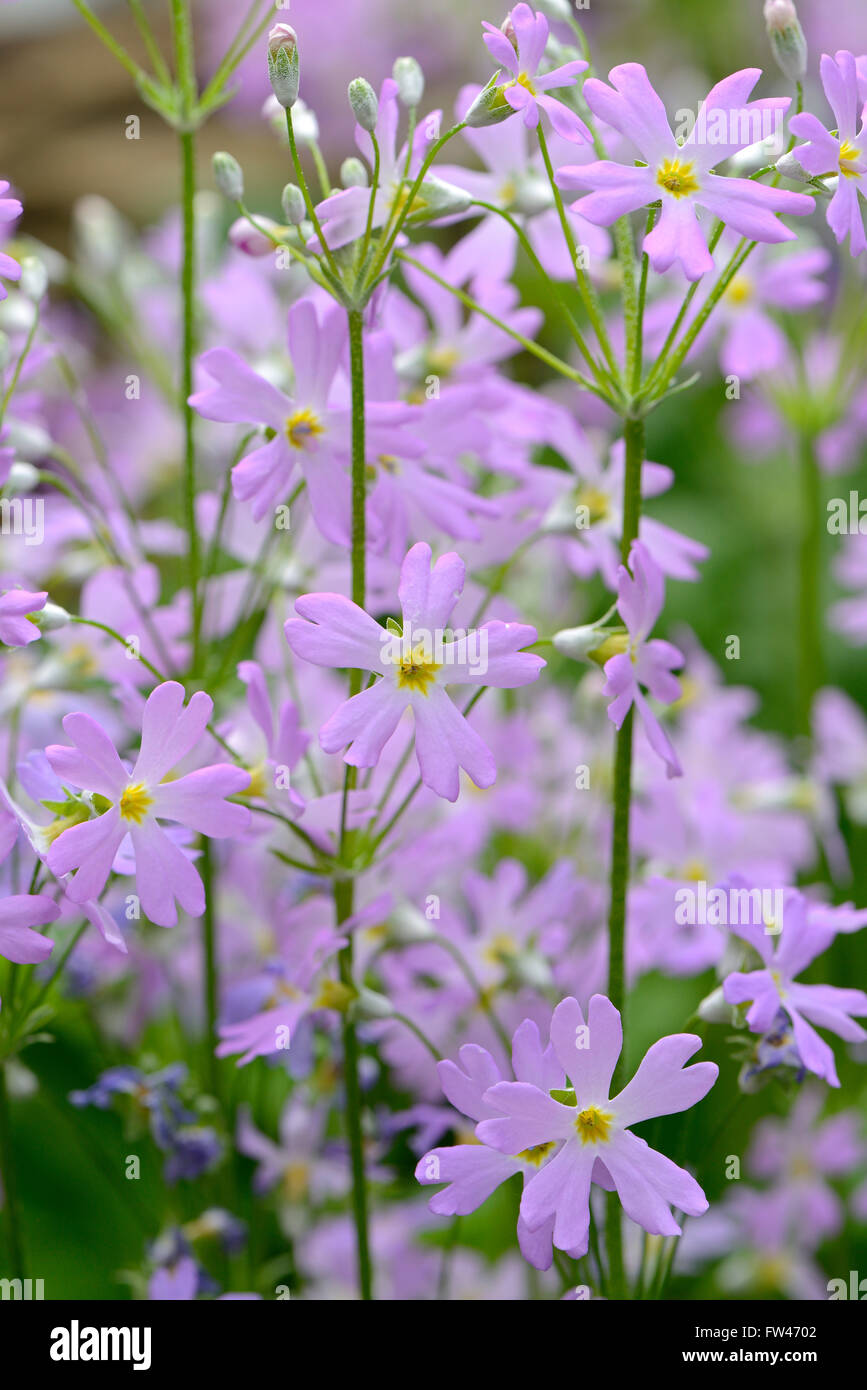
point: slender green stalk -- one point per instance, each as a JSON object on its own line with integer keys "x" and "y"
{"x": 211, "y": 970}
{"x": 305, "y": 192}
{"x": 108, "y": 39}
{"x": 188, "y": 291}
{"x": 619, "y": 881}
{"x": 585, "y": 289}
{"x": 344, "y": 888}
{"x": 810, "y": 672}
{"x": 14, "y": 1238}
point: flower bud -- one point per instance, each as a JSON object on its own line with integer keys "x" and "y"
{"x": 228, "y": 176}
{"x": 51, "y": 618}
{"x": 294, "y": 208}
{"x": 284, "y": 64}
{"x": 489, "y": 108}
{"x": 439, "y": 199}
{"x": 249, "y": 239}
{"x": 591, "y": 643}
{"x": 791, "y": 168}
{"x": 788, "y": 44}
{"x": 34, "y": 278}
{"x": 353, "y": 173}
{"x": 406, "y": 925}
{"x": 559, "y": 10}
{"x": 363, "y": 100}
{"x": 23, "y": 478}
{"x": 371, "y": 1005}
{"x": 409, "y": 77}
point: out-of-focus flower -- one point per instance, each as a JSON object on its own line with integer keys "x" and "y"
{"x": 843, "y": 154}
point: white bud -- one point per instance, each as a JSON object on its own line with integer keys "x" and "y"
{"x": 364, "y": 103}
{"x": 407, "y": 925}
{"x": 559, "y": 10}
{"x": 23, "y": 478}
{"x": 294, "y": 208}
{"x": 353, "y": 173}
{"x": 51, "y": 618}
{"x": 228, "y": 176}
{"x": 787, "y": 38}
{"x": 791, "y": 168}
{"x": 372, "y": 1005}
{"x": 409, "y": 77}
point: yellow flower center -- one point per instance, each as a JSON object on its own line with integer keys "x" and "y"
{"x": 740, "y": 291}
{"x": 302, "y": 427}
{"x": 537, "y": 1154}
{"x": 849, "y": 156}
{"x": 414, "y": 673}
{"x": 501, "y": 949}
{"x": 593, "y": 1125}
{"x": 677, "y": 178}
{"x": 135, "y": 803}
{"x": 597, "y": 502}
{"x": 522, "y": 80}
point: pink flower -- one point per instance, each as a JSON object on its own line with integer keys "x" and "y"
{"x": 804, "y": 935}
{"x": 643, "y": 663}
{"x": 10, "y": 211}
{"x": 133, "y": 804}
{"x": 680, "y": 176}
{"x": 844, "y": 154}
{"x": 592, "y": 1131}
{"x": 310, "y": 428}
{"x": 18, "y": 915}
{"x": 415, "y": 667}
{"x": 527, "y": 88}
{"x": 16, "y": 626}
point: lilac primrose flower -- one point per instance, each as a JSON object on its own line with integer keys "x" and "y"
{"x": 309, "y": 428}
{"x": 680, "y": 177}
{"x": 473, "y": 1171}
{"x": 10, "y": 211}
{"x": 18, "y": 915}
{"x": 639, "y": 662}
{"x": 415, "y": 667}
{"x": 526, "y": 90}
{"x": 133, "y": 803}
{"x": 843, "y": 154}
{"x": 17, "y": 607}
{"x": 774, "y": 987}
{"x": 594, "y": 1130}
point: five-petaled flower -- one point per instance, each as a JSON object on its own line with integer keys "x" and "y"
{"x": 592, "y": 1129}
{"x": 333, "y": 631}
{"x": 519, "y": 47}
{"x": 843, "y": 154}
{"x": 134, "y": 802}
{"x": 680, "y": 177}
{"x": 637, "y": 662}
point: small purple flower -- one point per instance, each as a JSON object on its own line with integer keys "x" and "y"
{"x": 643, "y": 663}
{"x": 593, "y": 1129}
{"x": 774, "y": 987}
{"x": 18, "y": 916}
{"x": 843, "y": 154}
{"x": 10, "y": 211}
{"x": 414, "y": 670}
{"x": 681, "y": 177}
{"x": 133, "y": 803}
{"x": 519, "y": 47}
{"x": 17, "y": 606}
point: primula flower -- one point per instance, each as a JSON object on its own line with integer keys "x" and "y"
{"x": 843, "y": 154}
{"x": 680, "y": 177}
{"x": 133, "y": 803}
{"x": 310, "y": 429}
{"x": 639, "y": 662}
{"x": 17, "y": 606}
{"x": 593, "y": 1130}
{"x": 18, "y": 916}
{"x": 10, "y": 211}
{"x": 526, "y": 90}
{"x": 333, "y": 631}
{"x": 774, "y": 987}
{"x": 473, "y": 1171}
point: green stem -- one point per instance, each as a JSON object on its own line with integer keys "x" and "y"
{"x": 308, "y": 201}
{"x": 188, "y": 290}
{"x": 810, "y": 675}
{"x": 211, "y": 971}
{"x": 344, "y": 889}
{"x": 634, "y": 437}
{"x": 10, "y": 1188}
